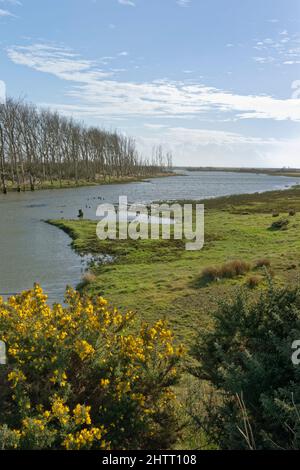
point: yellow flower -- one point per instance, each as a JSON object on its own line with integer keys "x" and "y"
{"x": 60, "y": 411}
{"x": 104, "y": 383}
{"x": 85, "y": 439}
{"x": 59, "y": 378}
{"x": 82, "y": 414}
{"x": 15, "y": 377}
{"x": 84, "y": 349}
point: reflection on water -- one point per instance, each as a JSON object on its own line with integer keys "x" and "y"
{"x": 31, "y": 250}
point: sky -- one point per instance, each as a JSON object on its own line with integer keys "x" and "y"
{"x": 217, "y": 82}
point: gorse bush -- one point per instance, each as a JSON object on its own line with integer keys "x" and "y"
{"x": 84, "y": 376}
{"x": 246, "y": 359}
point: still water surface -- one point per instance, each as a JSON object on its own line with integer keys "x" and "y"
{"x": 31, "y": 250}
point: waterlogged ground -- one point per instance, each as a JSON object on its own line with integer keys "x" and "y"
{"x": 31, "y": 250}
{"x": 160, "y": 279}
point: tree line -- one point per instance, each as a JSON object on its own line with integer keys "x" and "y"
{"x": 39, "y": 145}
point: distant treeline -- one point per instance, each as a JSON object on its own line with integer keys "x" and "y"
{"x": 39, "y": 145}
{"x": 285, "y": 171}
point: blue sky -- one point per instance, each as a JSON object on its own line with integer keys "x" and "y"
{"x": 215, "y": 81}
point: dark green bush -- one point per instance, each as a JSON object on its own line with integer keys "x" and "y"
{"x": 280, "y": 224}
{"x": 246, "y": 360}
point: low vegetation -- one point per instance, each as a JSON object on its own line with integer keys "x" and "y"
{"x": 85, "y": 376}
{"x": 263, "y": 263}
{"x": 159, "y": 279}
{"x": 246, "y": 361}
{"x": 227, "y": 270}
{"x": 281, "y": 224}
{"x": 253, "y": 281}
{"x": 243, "y": 378}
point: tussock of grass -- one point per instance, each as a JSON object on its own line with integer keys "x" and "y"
{"x": 253, "y": 281}
{"x": 275, "y": 214}
{"x": 262, "y": 263}
{"x": 227, "y": 270}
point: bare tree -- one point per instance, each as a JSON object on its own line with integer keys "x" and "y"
{"x": 38, "y": 145}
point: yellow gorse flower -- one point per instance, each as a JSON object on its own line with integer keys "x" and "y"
{"x": 85, "y": 439}
{"x": 82, "y": 414}
{"x": 60, "y": 411}
{"x": 84, "y": 349}
{"x": 15, "y": 377}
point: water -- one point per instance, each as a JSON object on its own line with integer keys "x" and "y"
{"x": 31, "y": 250}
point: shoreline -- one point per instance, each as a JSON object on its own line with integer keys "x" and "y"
{"x": 289, "y": 173}
{"x": 83, "y": 183}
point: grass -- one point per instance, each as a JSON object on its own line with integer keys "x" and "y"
{"x": 159, "y": 279}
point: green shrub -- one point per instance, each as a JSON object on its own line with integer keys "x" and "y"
{"x": 281, "y": 224}
{"x": 246, "y": 360}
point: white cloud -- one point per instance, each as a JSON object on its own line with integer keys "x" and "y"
{"x": 129, "y": 3}
{"x": 282, "y": 50}
{"x": 204, "y": 146}
{"x": 12, "y": 2}
{"x": 97, "y": 93}
{"x": 184, "y": 135}
{"x": 264, "y": 60}
{"x": 5, "y": 13}
{"x": 183, "y": 3}
{"x": 58, "y": 61}
{"x": 2, "y": 92}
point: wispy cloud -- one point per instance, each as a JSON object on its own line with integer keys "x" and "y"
{"x": 12, "y": 2}
{"x": 184, "y": 3}
{"x": 98, "y": 93}
{"x": 129, "y": 3}
{"x": 5, "y": 13}
{"x": 282, "y": 50}
{"x": 199, "y": 146}
{"x": 57, "y": 60}
{"x": 2, "y": 92}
